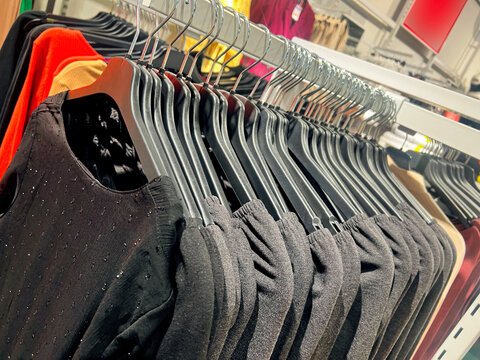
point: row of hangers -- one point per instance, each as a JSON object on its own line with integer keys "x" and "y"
{"x": 453, "y": 181}
{"x": 320, "y": 158}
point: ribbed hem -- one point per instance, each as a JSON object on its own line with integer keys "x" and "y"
{"x": 351, "y": 223}
{"x": 319, "y": 236}
{"x": 380, "y": 219}
{"x": 193, "y": 223}
{"x": 395, "y": 220}
{"x": 249, "y": 208}
{"x": 342, "y": 238}
{"x": 213, "y": 201}
{"x": 403, "y": 206}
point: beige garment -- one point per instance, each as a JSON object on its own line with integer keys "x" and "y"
{"x": 317, "y": 32}
{"x": 76, "y": 75}
{"x": 336, "y": 29}
{"x": 329, "y": 31}
{"x": 414, "y": 182}
{"x": 343, "y": 37}
{"x": 9, "y": 10}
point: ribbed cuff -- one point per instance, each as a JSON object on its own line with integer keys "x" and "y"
{"x": 213, "y": 201}
{"x": 249, "y": 208}
{"x": 288, "y": 221}
{"x": 319, "y": 236}
{"x": 351, "y": 223}
{"x": 343, "y": 238}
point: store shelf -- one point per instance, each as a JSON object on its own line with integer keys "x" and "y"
{"x": 440, "y": 128}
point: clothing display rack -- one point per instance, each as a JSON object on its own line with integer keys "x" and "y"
{"x": 414, "y": 117}
{"x": 152, "y": 207}
{"x": 408, "y": 115}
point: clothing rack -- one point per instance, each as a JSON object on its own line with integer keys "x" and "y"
{"x": 414, "y": 117}
{"x": 449, "y": 132}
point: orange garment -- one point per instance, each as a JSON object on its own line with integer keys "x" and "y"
{"x": 49, "y": 50}
{"x": 74, "y": 59}
{"x": 76, "y": 75}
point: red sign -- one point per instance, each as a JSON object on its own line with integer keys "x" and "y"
{"x": 432, "y": 20}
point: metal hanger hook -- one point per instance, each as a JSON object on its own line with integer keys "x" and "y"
{"x": 169, "y": 48}
{"x": 162, "y": 24}
{"x": 219, "y": 26}
{"x": 268, "y": 36}
{"x": 247, "y": 37}
{"x": 237, "y": 33}
{"x": 214, "y": 23}
{"x": 285, "y": 56}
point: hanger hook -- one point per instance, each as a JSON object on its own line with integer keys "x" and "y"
{"x": 285, "y": 55}
{"x": 268, "y": 35}
{"x": 214, "y": 23}
{"x": 162, "y": 24}
{"x": 293, "y": 55}
{"x": 137, "y": 32}
{"x": 169, "y": 47}
{"x": 301, "y": 96}
{"x": 237, "y": 33}
{"x": 308, "y": 58}
{"x": 247, "y": 36}
{"x": 211, "y": 41}
{"x": 286, "y": 73}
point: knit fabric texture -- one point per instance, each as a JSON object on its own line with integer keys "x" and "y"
{"x": 274, "y": 277}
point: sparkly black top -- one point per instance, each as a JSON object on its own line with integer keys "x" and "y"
{"x": 85, "y": 269}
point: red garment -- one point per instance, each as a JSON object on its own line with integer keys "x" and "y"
{"x": 460, "y": 292}
{"x": 49, "y": 50}
{"x": 277, "y": 17}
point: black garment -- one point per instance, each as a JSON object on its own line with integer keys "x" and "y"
{"x": 327, "y": 282}
{"x": 248, "y": 285}
{"x": 187, "y": 336}
{"x": 224, "y": 286}
{"x": 274, "y": 277}
{"x": 402, "y": 259}
{"x": 222, "y": 219}
{"x": 10, "y": 54}
{"x": 299, "y": 252}
{"x": 436, "y": 290}
{"x": 359, "y": 330}
{"x": 98, "y": 136}
{"x": 450, "y": 256}
{"x": 419, "y": 278}
{"x": 427, "y": 276}
{"x": 85, "y": 270}
{"x": 240, "y": 252}
{"x": 351, "y": 281}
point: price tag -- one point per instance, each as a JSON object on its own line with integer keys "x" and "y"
{"x": 146, "y": 3}
{"x": 297, "y": 11}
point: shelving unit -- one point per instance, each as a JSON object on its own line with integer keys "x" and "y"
{"x": 463, "y": 336}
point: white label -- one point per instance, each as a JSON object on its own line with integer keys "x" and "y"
{"x": 146, "y": 3}
{"x": 296, "y": 12}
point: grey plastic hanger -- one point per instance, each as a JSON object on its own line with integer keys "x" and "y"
{"x": 120, "y": 81}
